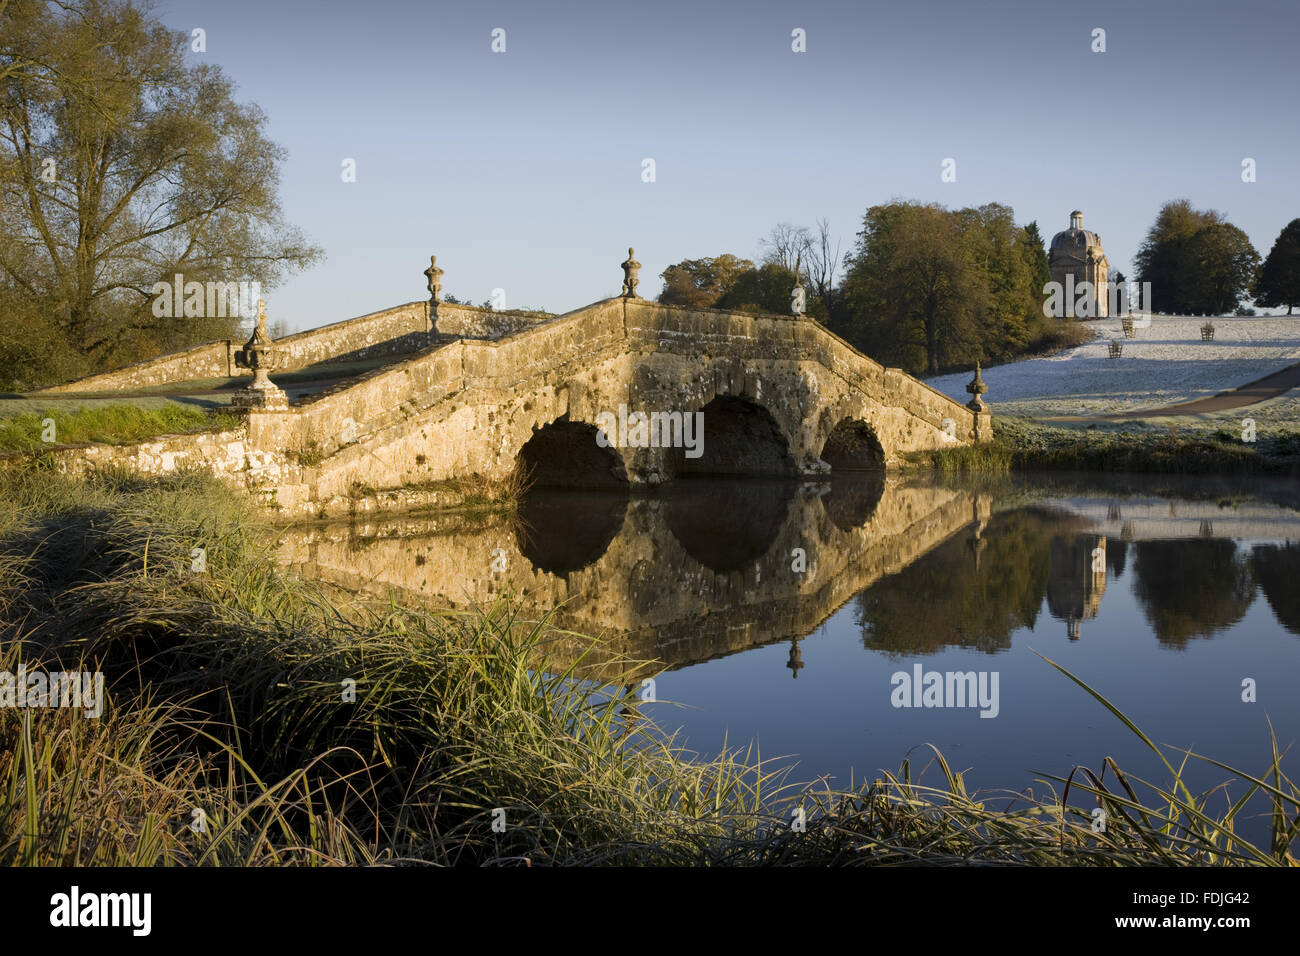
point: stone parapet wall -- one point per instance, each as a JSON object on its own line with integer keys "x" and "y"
{"x": 396, "y": 331}
{"x": 466, "y": 322}
{"x": 214, "y": 360}
{"x": 223, "y": 454}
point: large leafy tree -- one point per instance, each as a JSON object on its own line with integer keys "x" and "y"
{"x": 1224, "y": 269}
{"x": 765, "y": 289}
{"x": 121, "y": 165}
{"x": 1279, "y": 279}
{"x": 1010, "y": 317}
{"x": 1196, "y": 261}
{"x": 701, "y": 283}
{"x": 913, "y": 293}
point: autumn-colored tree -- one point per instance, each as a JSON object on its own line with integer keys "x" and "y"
{"x": 701, "y": 283}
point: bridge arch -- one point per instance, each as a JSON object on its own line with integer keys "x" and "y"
{"x": 853, "y": 446}
{"x": 566, "y": 454}
{"x": 740, "y": 437}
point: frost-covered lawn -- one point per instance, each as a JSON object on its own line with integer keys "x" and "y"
{"x": 1167, "y": 363}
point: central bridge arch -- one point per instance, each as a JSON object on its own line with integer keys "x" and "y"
{"x": 738, "y": 437}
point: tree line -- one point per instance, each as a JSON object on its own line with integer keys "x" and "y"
{"x": 930, "y": 289}
{"x": 123, "y": 166}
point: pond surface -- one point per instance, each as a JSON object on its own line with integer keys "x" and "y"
{"x": 799, "y": 616}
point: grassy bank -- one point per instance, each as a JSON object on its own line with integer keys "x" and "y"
{"x": 231, "y": 735}
{"x": 1024, "y": 445}
{"x": 115, "y": 424}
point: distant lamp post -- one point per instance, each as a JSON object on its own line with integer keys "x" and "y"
{"x": 976, "y": 389}
{"x": 630, "y": 269}
{"x": 260, "y": 355}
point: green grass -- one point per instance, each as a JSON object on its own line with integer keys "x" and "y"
{"x": 1024, "y": 445}
{"x": 478, "y": 495}
{"x": 226, "y": 696}
{"x": 115, "y": 424}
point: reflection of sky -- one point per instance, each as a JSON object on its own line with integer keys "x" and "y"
{"x": 837, "y": 715}
{"x": 522, "y": 170}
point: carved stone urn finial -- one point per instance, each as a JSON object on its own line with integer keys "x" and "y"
{"x": 976, "y": 389}
{"x": 260, "y": 355}
{"x": 434, "y": 275}
{"x": 630, "y": 268}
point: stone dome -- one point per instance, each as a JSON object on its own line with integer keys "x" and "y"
{"x": 1075, "y": 241}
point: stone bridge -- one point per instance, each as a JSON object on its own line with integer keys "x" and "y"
{"x": 775, "y": 395}
{"x": 778, "y": 396}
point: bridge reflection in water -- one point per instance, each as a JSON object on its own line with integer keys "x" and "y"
{"x": 701, "y": 569}
{"x": 706, "y": 568}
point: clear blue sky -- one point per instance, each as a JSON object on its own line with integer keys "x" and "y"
{"x": 522, "y": 170}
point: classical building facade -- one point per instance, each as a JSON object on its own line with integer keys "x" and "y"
{"x": 1076, "y": 257}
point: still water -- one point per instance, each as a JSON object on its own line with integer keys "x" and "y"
{"x": 796, "y": 616}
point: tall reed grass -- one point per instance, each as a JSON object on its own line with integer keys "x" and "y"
{"x": 231, "y": 736}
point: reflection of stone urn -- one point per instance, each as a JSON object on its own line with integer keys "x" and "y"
{"x": 260, "y": 355}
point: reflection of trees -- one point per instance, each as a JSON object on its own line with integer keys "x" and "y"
{"x": 942, "y": 600}
{"x": 1192, "y": 588}
{"x": 1277, "y": 569}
